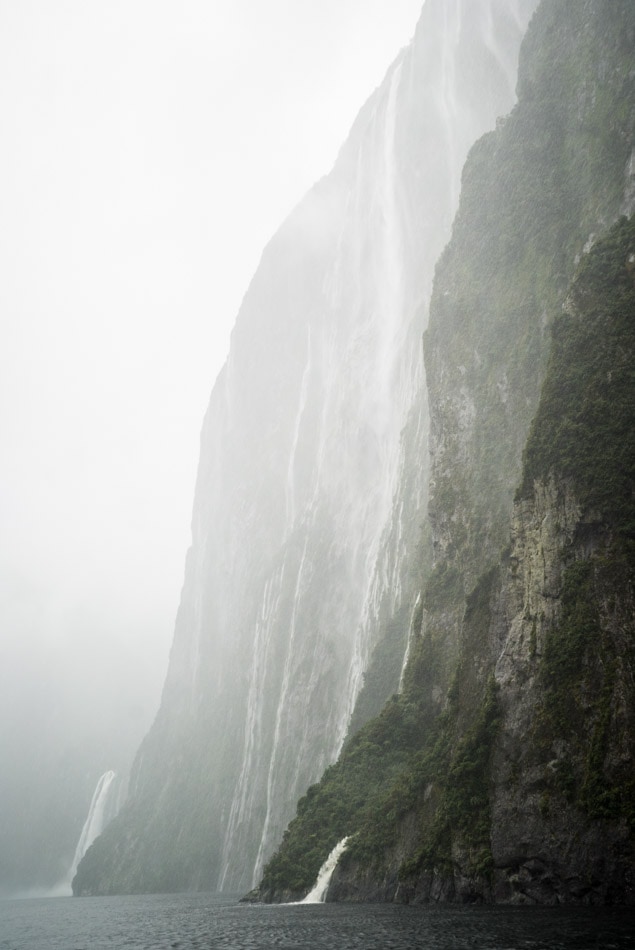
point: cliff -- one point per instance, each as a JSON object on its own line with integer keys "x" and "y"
{"x": 308, "y": 550}
{"x": 503, "y": 770}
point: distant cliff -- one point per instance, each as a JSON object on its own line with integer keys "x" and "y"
{"x": 310, "y": 532}
{"x": 504, "y": 769}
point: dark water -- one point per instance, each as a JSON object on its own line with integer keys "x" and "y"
{"x": 205, "y": 921}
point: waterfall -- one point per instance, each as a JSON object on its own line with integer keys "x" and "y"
{"x": 312, "y": 480}
{"x": 253, "y": 730}
{"x": 317, "y": 895}
{"x": 286, "y": 681}
{"x": 308, "y": 501}
{"x": 98, "y": 816}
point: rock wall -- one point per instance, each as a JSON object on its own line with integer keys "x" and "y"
{"x": 486, "y": 778}
{"x": 312, "y": 486}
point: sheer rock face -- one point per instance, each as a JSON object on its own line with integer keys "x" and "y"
{"x": 556, "y": 854}
{"x": 537, "y": 192}
{"x": 308, "y": 501}
{"x": 511, "y": 748}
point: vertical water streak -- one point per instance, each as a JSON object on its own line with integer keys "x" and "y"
{"x": 317, "y": 894}
{"x": 290, "y": 500}
{"x": 493, "y": 41}
{"x": 284, "y": 690}
{"x": 447, "y": 100}
{"x": 409, "y": 643}
{"x": 391, "y": 287}
{"x": 390, "y": 293}
{"x": 95, "y": 821}
{"x": 253, "y": 719}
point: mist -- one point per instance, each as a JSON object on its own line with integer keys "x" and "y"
{"x": 150, "y": 152}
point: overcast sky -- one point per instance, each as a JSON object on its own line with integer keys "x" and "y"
{"x": 150, "y": 148}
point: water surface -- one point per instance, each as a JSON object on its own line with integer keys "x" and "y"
{"x": 212, "y": 922}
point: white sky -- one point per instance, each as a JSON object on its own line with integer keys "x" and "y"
{"x": 150, "y": 148}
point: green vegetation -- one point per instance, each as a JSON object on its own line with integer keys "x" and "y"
{"x": 347, "y": 793}
{"x": 381, "y": 680}
{"x": 568, "y": 644}
{"x": 533, "y": 192}
{"x": 444, "y": 587}
{"x": 463, "y": 811}
{"x": 584, "y": 429}
{"x": 414, "y": 758}
{"x": 584, "y": 433}
{"x": 587, "y": 702}
{"x": 417, "y": 780}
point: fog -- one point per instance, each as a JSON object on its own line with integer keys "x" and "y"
{"x": 150, "y": 149}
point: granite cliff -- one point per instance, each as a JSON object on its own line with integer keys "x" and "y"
{"x": 503, "y": 769}
{"x": 411, "y": 577}
{"x": 310, "y": 537}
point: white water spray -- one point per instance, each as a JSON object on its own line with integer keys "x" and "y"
{"x": 96, "y": 820}
{"x": 409, "y": 644}
{"x": 317, "y": 895}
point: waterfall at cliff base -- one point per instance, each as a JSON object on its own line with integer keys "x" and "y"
{"x": 100, "y": 813}
{"x": 317, "y": 895}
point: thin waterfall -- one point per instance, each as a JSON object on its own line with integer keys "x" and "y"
{"x": 98, "y": 817}
{"x": 286, "y": 679}
{"x": 253, "y": 728}
{"x": 413, "y": 614}
{"x": 317, "y": 895}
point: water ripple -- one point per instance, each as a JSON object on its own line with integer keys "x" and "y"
{"x": 210, "y": 922}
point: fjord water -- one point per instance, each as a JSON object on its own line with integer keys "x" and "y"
{"x": 202, "y": 921}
